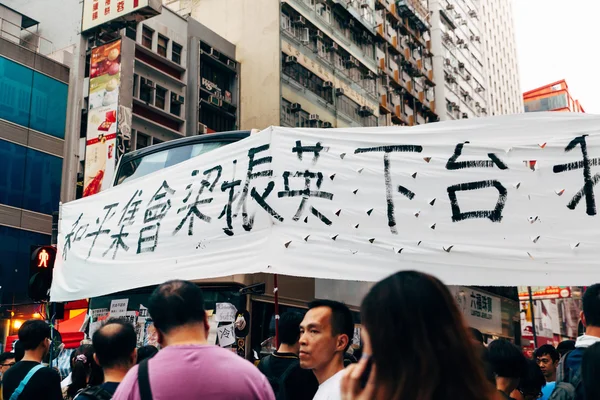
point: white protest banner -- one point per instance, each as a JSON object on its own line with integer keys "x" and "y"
{"x": 226, "y": 335}
{"x": 491, "y": 201}
{"x": 225, "y": 312}
{"x": 118, "y": 308}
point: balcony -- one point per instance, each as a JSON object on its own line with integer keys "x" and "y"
{"x": 414, "y": 11}
{"x": 385, "y": 106}
{"x": 393, "y": 9}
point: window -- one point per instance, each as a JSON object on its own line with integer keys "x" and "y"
{"x": 161, "y": 94}
{"x": 136, "y": 79}
{"x": 147, "y": 35}
{"x": 176, "y": 102}
{"x": 131, "y": 31}
{"x": 142, "y": 141}
{"x": 42, "y": 182}
{"x": 156, "y": 141}
{"x": 163, "y": 42}
{"x": 146, "y": 89}
{"x": 15, "y": 92}
{"x": 176, "y": 53}
{"x": 48, "y": 105}
{"x": 12, "y": 174}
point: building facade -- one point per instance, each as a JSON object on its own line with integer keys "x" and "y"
{"x": 33, "y": 109}
{"x": 552, "y": 97}
{"x": 500, "y": 58}
{"x": 458, "y": 64}
{"x": 326, "y": 63}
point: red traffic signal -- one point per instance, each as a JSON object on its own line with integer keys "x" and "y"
{"x": 41, "y": 265}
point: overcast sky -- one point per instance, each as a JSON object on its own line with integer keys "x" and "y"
{"x": 558, "y": 39}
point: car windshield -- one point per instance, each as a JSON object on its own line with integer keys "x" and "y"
{"x": 150, "y": 163}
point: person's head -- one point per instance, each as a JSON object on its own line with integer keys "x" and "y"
{"x": 177, "y": 307}
{"x": 34, "y": 336}
{"x": 418, "y": 341}
{"x": 7, "y": 360}
{"x": 547, "y": 359}
{"x": 84, "y": 370}
{"x": 115, "y": 344}
{"x": 590, "y": 316}
{"x": 325, "y": 334}
{"x": 565, "y": 346}
{"x": 531, "y": 383}
{"x": 590, "y": 370}
{"x": 289, "y": 330}
{"x": 509, "y": 364}
{"x": 145, "y": 352}
{"x": 19, "y": 351}
{"x": 476, "y": 335}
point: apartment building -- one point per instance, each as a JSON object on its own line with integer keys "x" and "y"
{"x": 33, "y": 110}
{"x": 552, "y": 97}
{"x": 500, "y": 58}
{"x": 326, "y": 63}
{"x": 459, "y": 65}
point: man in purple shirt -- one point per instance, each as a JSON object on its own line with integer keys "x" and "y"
{"x": 187, "y": 367}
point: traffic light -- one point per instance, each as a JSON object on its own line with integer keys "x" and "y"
{"x": 41, "y": 265}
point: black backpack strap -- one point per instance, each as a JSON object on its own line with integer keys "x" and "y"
{"x": 95, "y": 392}
{"x": 144, "y": 381}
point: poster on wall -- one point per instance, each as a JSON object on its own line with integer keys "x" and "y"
{"x": 101, "y": 138}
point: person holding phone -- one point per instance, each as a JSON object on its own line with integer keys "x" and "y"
{"x": 416, "y": 345}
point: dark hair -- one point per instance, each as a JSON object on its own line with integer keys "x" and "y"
{"x": 342, "y": 322}
{"x": 176, "y": 303}
{"x": 565, "y": 346}
{"x": 507, "y": 359}
{"x": 114, "y": 342}
{"x": 84, "y": 370}
{"x": 420, "y": 343}
{"x": 289, "y": 327}
{"x": 591, "y": 305}
{"x": 532, "y": 380}
{"x": 547, "y": 349}
{"x": 488, "y": 368}
{"x": 476, "y": 335}
{"x": 19, "y": 351}
{"x": 7, "y": 355}
{"x": 590, "y": 370}
{"x": 32, "y": 333}
{"x": 145, "y": 352}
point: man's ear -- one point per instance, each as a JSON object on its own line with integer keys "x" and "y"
{"x": 342, "y": 343}
{"x": 160, "y": 338}
{"x": 582, "y": 317}
{"x": 96, "y": 359}
{"x": 134, "y": 356}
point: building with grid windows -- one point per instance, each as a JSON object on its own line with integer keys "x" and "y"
{"x": 326, "y": 63}
{"x": 552, "y": 97}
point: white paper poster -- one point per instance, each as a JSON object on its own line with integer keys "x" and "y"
{"x": 225, "y": 312}
{"x": 506, "y": 201}
{"x": 118, "y": 308}
{"x": 98, "y": 312}
{"x": 226, "y": 335}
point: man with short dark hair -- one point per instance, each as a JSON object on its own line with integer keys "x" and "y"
{"x": 509, "y": 365}
{"x": 7, "y": 360}
{"x": 570, "y": 364}
{"x": 282, "y": 367}
{"x": 565, "y": 346}
{"x": 547, "y": 359}
{"x": 115, "y": 352}
{"x": 326, "y": 333}
{"x": 39, "y": 382}
{"x": 187, "y": 368}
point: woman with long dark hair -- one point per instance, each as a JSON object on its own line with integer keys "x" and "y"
{"x": 84, "y": 371}
{"x": 416, "y": 345}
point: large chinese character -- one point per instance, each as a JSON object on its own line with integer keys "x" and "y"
{"x": 589, "y": 181}
{"x": 117, "y": 242}
{"x": 306, "y": 193}
{"x": 192, "y": 208}
{"x": 156, "y": 210}
{"x": 76, "y": 233}
{"x": 100, "y": 230}
{"x": 130, "y": 209}
{"x": 489, "y": 304}
{"x": 387, "y": 175}
{"x": 494, "y": 215}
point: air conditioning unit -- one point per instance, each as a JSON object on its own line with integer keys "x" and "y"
{"x": 364, "y": 3}
{"x": 465, "y": 46}
{"x": 468, "y": 77}
{"x": 473, "y": 14}
{"x": 448, "y": 61}
{"x": 339, "y": 92}
{"x": 477, "y": 104}
{"x": 450, "y": 7}
{"x": 295, "y": 107}
{"x": 175, "y": 98}
{"x": 327, "y": 125}
{"x": 461, "y": 65}
{"x": 460, "y": 41}
{"x": 351, "y": 23}
{"x": 291, "y": 60}
{"x": 484, "y": 110}
{"x": 365, "y": 110}
{"x": 215, "y": 53}
{"x": 318, "y": 34}
{"x": 477, "y": 39}
{"x": 334, "y": 47}
{"x": 464, "y": 22}
{"x": 313, "y": 117}
{"x": 328, "y": 84}
{"x": 215, "y": 101}
{"x": 479, "y": 89}
{"x": 300, "y": 20}
{"x": 202, "y": 128}
{"x": 369, "y": 75}
{"x": 465, "y": 115}
{"x": 231, "y": 63}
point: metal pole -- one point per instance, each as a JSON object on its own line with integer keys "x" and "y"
{"x": 532, "y": 318}
{"x": 276, "y": 293}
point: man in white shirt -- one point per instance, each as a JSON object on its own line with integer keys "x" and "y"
{"x": 325, "y": 334}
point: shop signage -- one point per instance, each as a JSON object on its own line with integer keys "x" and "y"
{"x": 545, "y": 292}
{"x": 481, "y": 310}
{"x": 215, "y": 90}
{"x": 503, "y": 201}
{"x": 99, "y": 12}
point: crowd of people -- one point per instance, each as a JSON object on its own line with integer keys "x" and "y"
{"x": 414, "y": 345}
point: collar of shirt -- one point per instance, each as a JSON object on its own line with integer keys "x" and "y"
{"x": 586, "y": 341}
